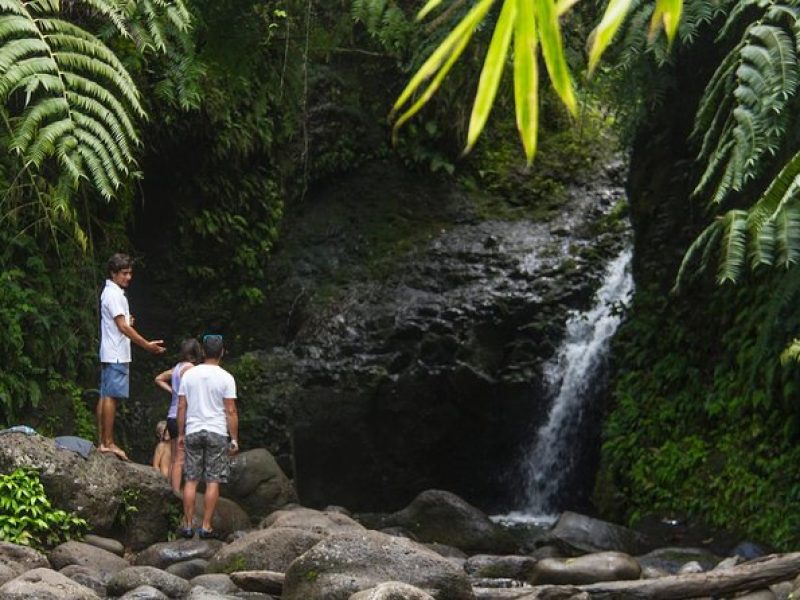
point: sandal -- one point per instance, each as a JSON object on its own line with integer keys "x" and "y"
{"x": 186, "y": 532}
{"x": 207, "y": 534}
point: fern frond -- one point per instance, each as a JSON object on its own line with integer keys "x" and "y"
{"x": 755, "y": 100}
{"x": 733, "y": 250}
{"x": 79, "y": 100}
{"x": 787, "y": 235}
{"x": 703, "y": 245}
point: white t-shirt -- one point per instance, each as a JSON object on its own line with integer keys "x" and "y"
{"x": 205, "y": 387}
{"x": 115, "y": 346}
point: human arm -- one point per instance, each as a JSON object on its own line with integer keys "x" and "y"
{"x": 232, "y": 417}
{"x": 154, "y": 346}
{"x": 181, "y": 418}
{"x": 164, "y": 380}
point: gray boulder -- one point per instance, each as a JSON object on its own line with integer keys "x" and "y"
{"x": 392, "y": 590}
{"x": 672, "y": 559}
{"x": 144, "y": 592}
{"x": 258, "y": 484}
{"x": 45, "y": 584}
{"x": 188, "y": 569}
{"x": 112, "y": 545}
{"x": 264, "y": 582}
{"x": 16, "y": 559}
{"x": 217, "y": 582}
{"x": 576, "y": 534}
{"x": 439, "y": 516}
{"x": 270, "y": 549}
{"x": 345, "y": 563}
{"x": 94, "y": 487}
{"x": 79, "y": 553}
{"x": 590, "y": 568}
{"x": 86, "y": 576}
{"x": 320, "y": 522}
{"x": 164, "y": 554}
{"x": 500, "y": 567}
{"x": 134, "y": 577}
{"x": 228, "y": 516}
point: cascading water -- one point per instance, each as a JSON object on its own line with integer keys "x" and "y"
{"x": 572, "y": 376}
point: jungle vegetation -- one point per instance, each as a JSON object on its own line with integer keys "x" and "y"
{"x": 185, "y": 128}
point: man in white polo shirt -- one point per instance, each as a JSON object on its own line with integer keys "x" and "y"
{"x": 207, "y": 417}
{"x": 116, "y": 334}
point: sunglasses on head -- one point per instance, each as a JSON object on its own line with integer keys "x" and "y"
{"x": 211, "y": 336}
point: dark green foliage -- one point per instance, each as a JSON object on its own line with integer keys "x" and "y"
{"x": 710, "y": 430}
{"x": 47, "y": 315}
{"x": 27, "y": 517}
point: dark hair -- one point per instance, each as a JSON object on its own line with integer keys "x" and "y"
{"x": 118, "y": 262}
{"x": 212, "y": 346}
{"x": 190, "y": 351}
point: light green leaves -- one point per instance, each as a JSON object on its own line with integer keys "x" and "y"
{"x": 526, "y": 78}
{"x": 492, "y": 71}
{"x": 532, "y": 24}
{"x": 602, "y": 35}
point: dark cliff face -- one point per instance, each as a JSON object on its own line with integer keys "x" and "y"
{"x": 408, "y": 332}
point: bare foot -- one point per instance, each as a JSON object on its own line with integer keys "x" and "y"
{"x": 115, "y": 450}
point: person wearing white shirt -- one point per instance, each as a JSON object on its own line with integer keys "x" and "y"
{"x": 207, "y": 418}
{"x": 116, "y": 334}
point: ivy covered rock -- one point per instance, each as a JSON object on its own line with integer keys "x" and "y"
{"x": 120, "y": 499}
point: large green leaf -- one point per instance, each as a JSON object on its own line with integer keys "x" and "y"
{"x": 667, "y": 14}
{"x": 553, "y": 51}
{"x": 492, "y": 71}
{"x": 440, "y": 55}
{"x": 526, "y": 77}
{"x": 605, "y": 31}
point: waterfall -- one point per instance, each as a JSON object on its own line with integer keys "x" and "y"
{"x": 572, "y": 377}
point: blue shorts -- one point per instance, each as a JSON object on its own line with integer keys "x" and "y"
{"x": 114, "y": 380}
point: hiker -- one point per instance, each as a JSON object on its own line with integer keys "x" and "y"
{"x": 208, "y": 428}
{"x": 162, "y": 455}
{"x": 116, "y": 334}
{"x": 170, "y": 381}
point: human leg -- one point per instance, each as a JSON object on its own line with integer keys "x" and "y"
{"x": 114, "y": 384}
{"x": 210, "y": 503}
{"x": 194, "y": 454}
{"x": 176, "y": 469}
{"x": 217, "y": 468}
{"x": 189, "y": 496}
{"x": 176, "y": 456}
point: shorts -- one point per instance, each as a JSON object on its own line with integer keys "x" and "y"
{"x": 172, "y": 427}
{"x": 207, "y": 457}
{"x": 115, "y": 380}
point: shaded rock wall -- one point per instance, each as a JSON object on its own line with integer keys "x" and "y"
{"x": 408, "y": 330}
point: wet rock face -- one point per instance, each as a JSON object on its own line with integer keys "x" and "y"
{"x": 422, "y": 369}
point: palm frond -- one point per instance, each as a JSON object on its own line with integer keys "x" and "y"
{"x": 79, "y": 102}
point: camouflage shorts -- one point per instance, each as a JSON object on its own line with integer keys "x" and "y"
{"x": 206, "y": 457}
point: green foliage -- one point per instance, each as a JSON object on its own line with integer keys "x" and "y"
{"x": 28, "y": 518}
{"x": 70, "y": 98}
{"x": 128, "y": 507}
{"x": 707, "y": 425}
{"x": 47, "y": 316}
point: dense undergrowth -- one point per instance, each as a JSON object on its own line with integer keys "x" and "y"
{"x": 705, "y": 421}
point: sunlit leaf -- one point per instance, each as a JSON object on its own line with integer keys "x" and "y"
{"x": 492, "y": 71}
{"x": 526, "y": 77}
{"x": 433, "y": 86}
{"x": 553, "y": 52}
{"x": 465, "y": 28}
{"x": 429, "y": 6}
{"x": 667, "y": 14}
{"x": 602, "y": 35}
